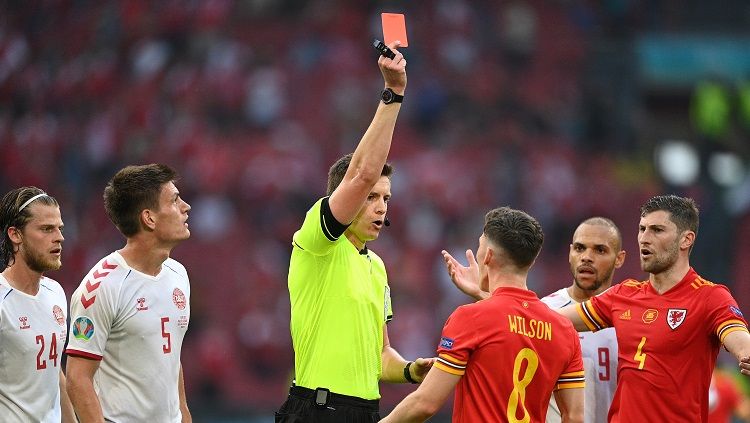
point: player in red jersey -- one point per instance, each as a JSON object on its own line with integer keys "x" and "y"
{"x": 726, "y": 400}
{"x": 595, "y": 253}
{"x": 669, "y": 327}
{"x": 509, "y": 352}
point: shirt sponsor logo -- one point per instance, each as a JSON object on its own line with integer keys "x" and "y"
{"x": 650, "y": 315}
{"x": 59, "y": 315}
{"x": 736, "y": 311}
{"x": 625, "y": 315}
{"x": 675, "y": 317}
{"x": 446, "y": 343}
{"x": 178, "y": 297}
{"x": 83, "y": 328}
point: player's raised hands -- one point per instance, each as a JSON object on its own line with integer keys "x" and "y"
{"x": 466, "y": 278}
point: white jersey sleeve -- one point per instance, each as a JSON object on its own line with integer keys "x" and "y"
{"x": 558, "y": 299}
{"x": 93, "y": 308}
{"x": 599, "y": 352}
{"x": 33, "y": 329}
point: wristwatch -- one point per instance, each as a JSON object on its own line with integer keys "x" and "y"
{"x": 388, "y": 96}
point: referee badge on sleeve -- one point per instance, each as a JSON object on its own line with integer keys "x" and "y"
{"x": 387, "y": 306}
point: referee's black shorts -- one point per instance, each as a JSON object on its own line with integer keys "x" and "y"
{"x": 315, "y": 406}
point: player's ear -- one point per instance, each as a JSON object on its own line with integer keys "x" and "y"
{"x": 688, "y": 239}
{"x": 14, "y": 234}
{"x": 148, "y": 219}
{"x": 488, "y": 256}
{"x": 619, "y": 259}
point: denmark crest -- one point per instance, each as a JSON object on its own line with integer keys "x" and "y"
{"x": 59, "y": 315}
{"x": 178, "y": 297}
{"x": 675, "y": 317}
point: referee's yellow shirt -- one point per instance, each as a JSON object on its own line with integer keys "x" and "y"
{"x": 340, "y": 301}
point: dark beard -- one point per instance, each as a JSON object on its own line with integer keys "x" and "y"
{"x": 660, "y": 264}
{"x": 598, "y": 282}
{"x": 597, "y": 285}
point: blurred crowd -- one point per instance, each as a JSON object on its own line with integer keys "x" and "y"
{"x": 252, "y": 100}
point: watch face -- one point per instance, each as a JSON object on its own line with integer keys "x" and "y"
{"x": 387, "y": 96}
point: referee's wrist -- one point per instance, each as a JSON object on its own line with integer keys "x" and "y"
{"x": 407, "y": 372}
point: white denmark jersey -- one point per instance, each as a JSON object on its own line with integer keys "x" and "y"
{"x": 134, "y": 323}
{"x": 599, "y": 351}
{"x": 32, "y": 336}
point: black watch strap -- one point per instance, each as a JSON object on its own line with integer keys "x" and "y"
{"x": 388, "y": 96}
{"x": 407, "y": 373}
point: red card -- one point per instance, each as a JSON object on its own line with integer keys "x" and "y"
{"x": 394, "y": 28}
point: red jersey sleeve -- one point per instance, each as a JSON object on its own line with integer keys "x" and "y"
{"x": 724, "y": 314}
{"x": 596, "y": 313}
{"x": 572, "y": 376}
{"x": 457, "y": 342}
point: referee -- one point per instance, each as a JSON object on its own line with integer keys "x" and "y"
{"x": 339, "y": 289}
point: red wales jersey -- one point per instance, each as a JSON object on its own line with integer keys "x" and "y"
{"x": 512, "y": 351}
{"x": 668, "y": 345}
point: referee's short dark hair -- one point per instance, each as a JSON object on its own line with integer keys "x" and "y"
{"x": 338, "y": 170}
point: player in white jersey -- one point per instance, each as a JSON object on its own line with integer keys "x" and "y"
{"x": 599, "y": 350}
{"x": 33, "y": 327}
{"x": 117, "y": 303}
{"x": 131, "y": 311}
{"x": 595, "y": 252}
